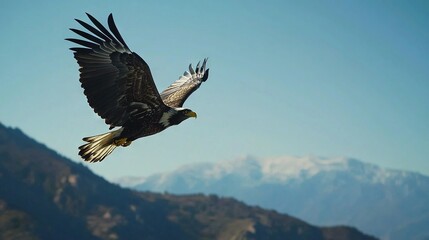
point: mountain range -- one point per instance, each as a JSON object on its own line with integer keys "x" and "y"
{"x": 44, "y": 195}
{"x": 389, "y": 204}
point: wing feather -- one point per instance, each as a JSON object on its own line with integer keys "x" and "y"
{"x": 93, "y": 30}
{"x": 114, "y": 79}
{"x": 177, "y": 93}
{"x": 102, "y": 28}
{"x": 87, "y": 36}
{"x": 82, "y": 42}
{"x": 115, "y": 31}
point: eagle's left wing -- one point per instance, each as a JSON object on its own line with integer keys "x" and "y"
{"x": 177, "y": 93}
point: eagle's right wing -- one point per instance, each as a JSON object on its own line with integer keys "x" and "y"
{"x": 177, "y": 93}
{"x": 118, "y": 83}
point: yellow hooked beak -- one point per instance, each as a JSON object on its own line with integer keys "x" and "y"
{"x": 191, "y": 114}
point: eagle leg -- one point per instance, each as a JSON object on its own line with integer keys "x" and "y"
{"x": 127, "y": 143}
{"x": 122, "y": 142}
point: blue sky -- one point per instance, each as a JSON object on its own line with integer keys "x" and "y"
{"x": 322, "y": 78}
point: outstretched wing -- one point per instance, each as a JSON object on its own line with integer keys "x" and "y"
{"x": 177, "y": 93}
{"x": 117, "y": 82}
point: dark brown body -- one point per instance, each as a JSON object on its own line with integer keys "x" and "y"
{"x": 134, "y": 131}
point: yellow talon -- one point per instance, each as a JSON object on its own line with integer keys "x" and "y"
{"x": 121, "y": 142}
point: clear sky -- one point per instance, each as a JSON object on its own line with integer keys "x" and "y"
{"x": 322, "y": 78}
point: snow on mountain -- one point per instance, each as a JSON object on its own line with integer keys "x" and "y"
{"x": 130, "y": 181}
{"x": 254, "y": 171}
{"x": 390, "y": 204}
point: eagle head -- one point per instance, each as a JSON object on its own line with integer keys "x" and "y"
{"x": 175, "y": 116}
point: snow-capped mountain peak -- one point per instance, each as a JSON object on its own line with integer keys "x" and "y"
{"x": 256, "y": 171}
{"x": 388, "y": 203}
{"x": 286, "y": 168}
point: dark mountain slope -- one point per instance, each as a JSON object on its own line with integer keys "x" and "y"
{"x": 66, "y": 199}
{"x": 46, "y": 196}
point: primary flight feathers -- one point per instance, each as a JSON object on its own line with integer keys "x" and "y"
{"x": 120, "y": 88}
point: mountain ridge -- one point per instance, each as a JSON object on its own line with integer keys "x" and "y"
{"x": 43, "y": 195}
{"x": 324, "y": 191}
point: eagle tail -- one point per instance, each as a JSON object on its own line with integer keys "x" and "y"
{"x": 99, "y": 146}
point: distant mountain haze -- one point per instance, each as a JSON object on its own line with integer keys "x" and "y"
{"x": 46, "y": 196}
{"x": 390, "y": 204}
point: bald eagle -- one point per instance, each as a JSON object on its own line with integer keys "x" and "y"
{"x": 119, "y": 87}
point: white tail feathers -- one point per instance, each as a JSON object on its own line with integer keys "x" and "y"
{"x": 98, "y": 147}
